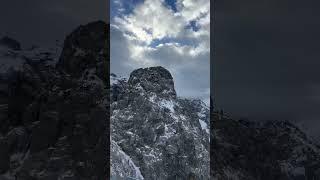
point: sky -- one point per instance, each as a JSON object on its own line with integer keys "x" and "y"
{"x": 42, "y": 22}
{"x": 267, "y": 60}
{"x": 174, "y": 34}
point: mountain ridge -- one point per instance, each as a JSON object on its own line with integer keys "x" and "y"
{"x": 160, "y": 131}
{"x": 245, "y": 150}
{"x": 53, "y": 120}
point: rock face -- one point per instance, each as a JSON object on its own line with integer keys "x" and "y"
{"x": 10, "y": 43}
{"x": 54, "y": 118}
{"x": 86, "y": 48}
{"x": 155, "y": 80}
{"x": 245, "y": 150}
{"x": 164, "y": 136}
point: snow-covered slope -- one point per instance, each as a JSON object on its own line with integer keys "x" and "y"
{"x": 122, "y": 165}
{"x": 164, "y": 135}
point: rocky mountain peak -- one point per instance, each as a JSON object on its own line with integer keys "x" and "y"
{"x": 154, "y": 133}
{"x": 10, "y": 43}
{"x": 86, "y": 48}
{"x": 53, "y": 118}
{"x": 156, "y": 80}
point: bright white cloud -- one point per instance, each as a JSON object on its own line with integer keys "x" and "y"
{"x": 151, "y": 20}
{"x": 193, "y": 9}
{"x": 187, "y": 55}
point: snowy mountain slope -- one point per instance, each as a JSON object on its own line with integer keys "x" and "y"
{"x": 165, "y": 136}
{"x": 122, "y": 165}
{"x": 245, "y": 150}
{"x": 53, "y": 117}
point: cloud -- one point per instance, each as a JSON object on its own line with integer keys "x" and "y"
{"x": 193, "y": 9}
{"x": 119, "y": 52}
{"x": 151, "y": 20}
{"x": 154, "y": 34}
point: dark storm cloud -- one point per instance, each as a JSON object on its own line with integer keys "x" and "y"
{"x": 42, "y": 22}
{"x": 267, "y": 60}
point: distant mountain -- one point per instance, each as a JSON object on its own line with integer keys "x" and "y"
{"x": 162, "y": 135}
{"x": 10, "y": 43}
{"x": 53, "y": 118}
{"x": 277, "y": 150}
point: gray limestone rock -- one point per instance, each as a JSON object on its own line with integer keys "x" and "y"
{"x": 160, "y": 132}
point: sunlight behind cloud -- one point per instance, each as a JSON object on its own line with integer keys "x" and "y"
{"x": 175, "y": 36}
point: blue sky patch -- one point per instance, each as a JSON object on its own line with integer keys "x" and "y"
{"x": 172, "y": 4}
{"x": 123, "y": 7}
{"x": 193, "y": 25}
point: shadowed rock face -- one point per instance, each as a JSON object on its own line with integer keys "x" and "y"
{"x": 54, "y": 119}
{"x": 164, "y": 136}
{"x": 85, "y": 48}
{"x": 10, "y": 43}
{"x": 248, "y": 150}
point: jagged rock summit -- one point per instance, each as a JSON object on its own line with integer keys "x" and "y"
{"x": 156, "y": 80}
{"x": 161, "y": 135}
{"x": 86, "y": 48}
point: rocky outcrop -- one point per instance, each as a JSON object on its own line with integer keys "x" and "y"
{"x": 54, "y": 118}
{"x": 165, "y": 136}
{"x": 10, "y": 43}
{"x": 122, "y": 164}
{"x": 155, "y": 80}
{"x": 86, "y": 48}
{"x": 245, "y": 150}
